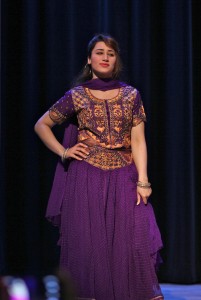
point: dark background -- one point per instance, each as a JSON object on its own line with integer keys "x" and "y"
{"x": 43, "y": 47}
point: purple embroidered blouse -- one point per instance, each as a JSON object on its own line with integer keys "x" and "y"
{"x": 104, "y": 125}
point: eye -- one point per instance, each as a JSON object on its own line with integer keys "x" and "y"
{"x": 99, "y": 53}
{"x": 111, "y": 54}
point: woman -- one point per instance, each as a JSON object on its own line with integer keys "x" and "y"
{"x": 109, "y": 236}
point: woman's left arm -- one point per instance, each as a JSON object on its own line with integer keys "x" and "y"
{"x": 139, "y": 151}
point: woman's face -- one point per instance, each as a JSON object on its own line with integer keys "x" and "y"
{"x": 102, "y": 60}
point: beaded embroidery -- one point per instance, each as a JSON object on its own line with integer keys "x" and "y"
{"x": 104, "y": 125}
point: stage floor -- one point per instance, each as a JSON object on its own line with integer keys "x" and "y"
{"x": 181, "y": 292}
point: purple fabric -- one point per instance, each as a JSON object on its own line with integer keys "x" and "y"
{"x": 53, "y": 212}
{"x": 108, "y": 243}
{"x": 70, "y": 138}
{"x": 103, "y": 84}
{"x": 65, "y": 105}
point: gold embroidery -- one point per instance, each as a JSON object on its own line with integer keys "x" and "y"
{"x": 56, "y": 116}
{"x": 92, "y": 97}
{"x": 98, "y": 111}
{"x": 140, "y": 116}
{"x": 105, "y": 126}
{"x": 107, "y": 159}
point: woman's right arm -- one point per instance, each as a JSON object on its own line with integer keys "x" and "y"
{"x": 43, "y": 128}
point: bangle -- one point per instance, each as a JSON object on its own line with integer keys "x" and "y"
{"x": 63, "y": 157}
{"x": 144, "y": 185}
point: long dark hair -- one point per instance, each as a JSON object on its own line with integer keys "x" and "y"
{"x": 86, "y": 73}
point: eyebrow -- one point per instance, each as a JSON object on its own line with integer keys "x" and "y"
{"x": 108, "y": 50}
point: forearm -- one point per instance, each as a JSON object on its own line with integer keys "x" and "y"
{"x": 139, "y": 151}
{"x": 48, "y": 138}
{"x": 140, "y": 158}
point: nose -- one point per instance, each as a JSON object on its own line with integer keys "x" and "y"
{"x": 105, "y": 57}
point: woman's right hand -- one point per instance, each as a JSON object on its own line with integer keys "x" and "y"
{"x": 79, "y": 152}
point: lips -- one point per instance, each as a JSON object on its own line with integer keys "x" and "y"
{"x": 104, "y": 65}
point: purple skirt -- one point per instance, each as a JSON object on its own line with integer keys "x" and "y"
{"x": 108, "y": 244}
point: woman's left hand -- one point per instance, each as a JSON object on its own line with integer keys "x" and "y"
{"x": 143, "y": 194}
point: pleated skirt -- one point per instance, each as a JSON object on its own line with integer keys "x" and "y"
{"x": 109, "y": 245}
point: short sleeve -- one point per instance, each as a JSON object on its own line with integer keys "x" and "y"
{"x": 138, "y": 111}
{"x": 62, "y": 109}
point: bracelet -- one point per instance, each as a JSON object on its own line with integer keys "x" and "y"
{"x": 63, "y": 157}
{"x": 144, "y": 185}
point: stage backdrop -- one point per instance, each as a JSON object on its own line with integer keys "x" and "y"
{"x": 43, "y": 49}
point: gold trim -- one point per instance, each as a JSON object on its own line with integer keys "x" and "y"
{"x": 92, "y": 97}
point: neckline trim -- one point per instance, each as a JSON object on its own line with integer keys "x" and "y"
{"x": 91, "y": 96}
